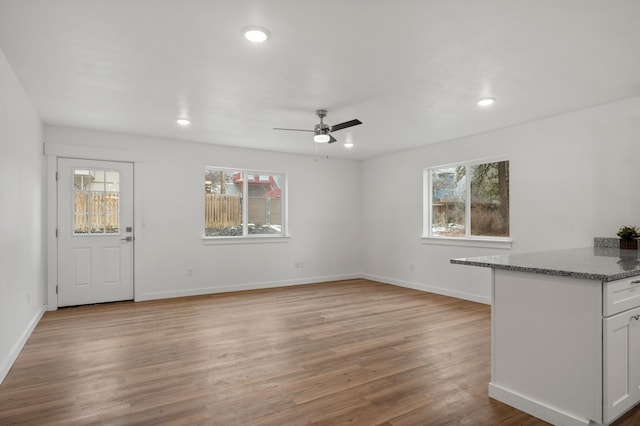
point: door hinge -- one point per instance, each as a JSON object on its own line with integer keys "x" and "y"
{"x": 56, "y": 289}
{"x": 56, "y": 176}
{"x": 56, "y": 232}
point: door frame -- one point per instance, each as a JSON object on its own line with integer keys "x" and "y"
{"x": 54, "y": 151}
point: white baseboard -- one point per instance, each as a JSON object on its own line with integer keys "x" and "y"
{"x": 7, "y": 363}
{"x": 238, "y": 287}
{"x": 430, "y": 289}
{"x": 535, "y": 408}
{"x": 273, "y": 284}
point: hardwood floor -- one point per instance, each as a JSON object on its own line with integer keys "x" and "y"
{"x": 351, "y": 352}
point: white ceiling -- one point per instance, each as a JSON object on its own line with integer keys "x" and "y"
{"x": 410, "y": 70}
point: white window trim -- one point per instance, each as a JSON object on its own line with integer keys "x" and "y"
{"x": 247, "y": 238}
{"x": 481, "y": 242}
{"x": 468, "y": 240}
{"x": 252, "y": 239}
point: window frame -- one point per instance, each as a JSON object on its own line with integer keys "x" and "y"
{"x": 246, "y": 237}
{"x": 467, "y": 240}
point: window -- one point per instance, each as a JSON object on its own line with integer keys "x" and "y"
{"x": 468, "y": 200}
{"x": 96, "y": 197}
{"x": 241, "y": 203}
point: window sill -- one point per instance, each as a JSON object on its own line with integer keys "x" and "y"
{"x": 266, "y": 239}
{"x": 486, "y": 242}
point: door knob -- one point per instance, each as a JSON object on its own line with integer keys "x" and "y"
{"x": 129, "y": 238}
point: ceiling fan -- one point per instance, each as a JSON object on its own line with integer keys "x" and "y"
{"x": 322, "y": 131}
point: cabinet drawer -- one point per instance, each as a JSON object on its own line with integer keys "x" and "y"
{"x": 621, "y": 295}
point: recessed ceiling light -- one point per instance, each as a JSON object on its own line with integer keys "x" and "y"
{"x": 256, "y": 34}
{"x": 348, "y": 140}
{"x": 486, "y": 101}
{"x": 183, "y": 121}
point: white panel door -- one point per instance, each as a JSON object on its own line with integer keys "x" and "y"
{"x": 95, "y": 231}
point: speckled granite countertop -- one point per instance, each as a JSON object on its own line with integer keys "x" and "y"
{"x": 592, "y": 263}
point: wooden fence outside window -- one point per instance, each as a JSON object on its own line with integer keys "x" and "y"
{"x": 96, "y": 212}
{"x": 224, "y": 210}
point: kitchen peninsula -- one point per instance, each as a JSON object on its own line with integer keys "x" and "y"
{"x": 565, "y": 332}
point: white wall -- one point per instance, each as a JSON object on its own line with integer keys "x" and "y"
{"x": 573, "y": 177}
{"x": 324, "y": 215}
{"x": 21, "y": 218}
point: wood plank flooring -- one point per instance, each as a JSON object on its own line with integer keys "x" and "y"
{"x": 351, "y": 352}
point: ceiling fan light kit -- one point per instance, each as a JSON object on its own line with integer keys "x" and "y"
{"x": 321, "y": 131}
{"x": 321, "y": 137}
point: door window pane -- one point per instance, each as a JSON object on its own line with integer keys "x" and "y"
{"x": 96, "y": 195}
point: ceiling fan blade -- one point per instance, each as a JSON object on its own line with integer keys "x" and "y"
{"x": 344, "y": 125}
{"x": 294, "y": 130}
{"x": 332, "y": 140}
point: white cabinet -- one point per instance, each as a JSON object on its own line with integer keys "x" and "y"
{"x": 564, "y": 349}
{"x": 621, "y": 362}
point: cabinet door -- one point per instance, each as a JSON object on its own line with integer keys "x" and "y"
{"x": 621, "y": 363}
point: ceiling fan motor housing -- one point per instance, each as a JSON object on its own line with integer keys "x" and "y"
{"x": 320, "y": 128}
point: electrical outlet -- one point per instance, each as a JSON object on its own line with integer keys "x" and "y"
{"x": 189, "y": 272}
{"x": 299, "y": 264}
{"x": 411, "y": 266}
